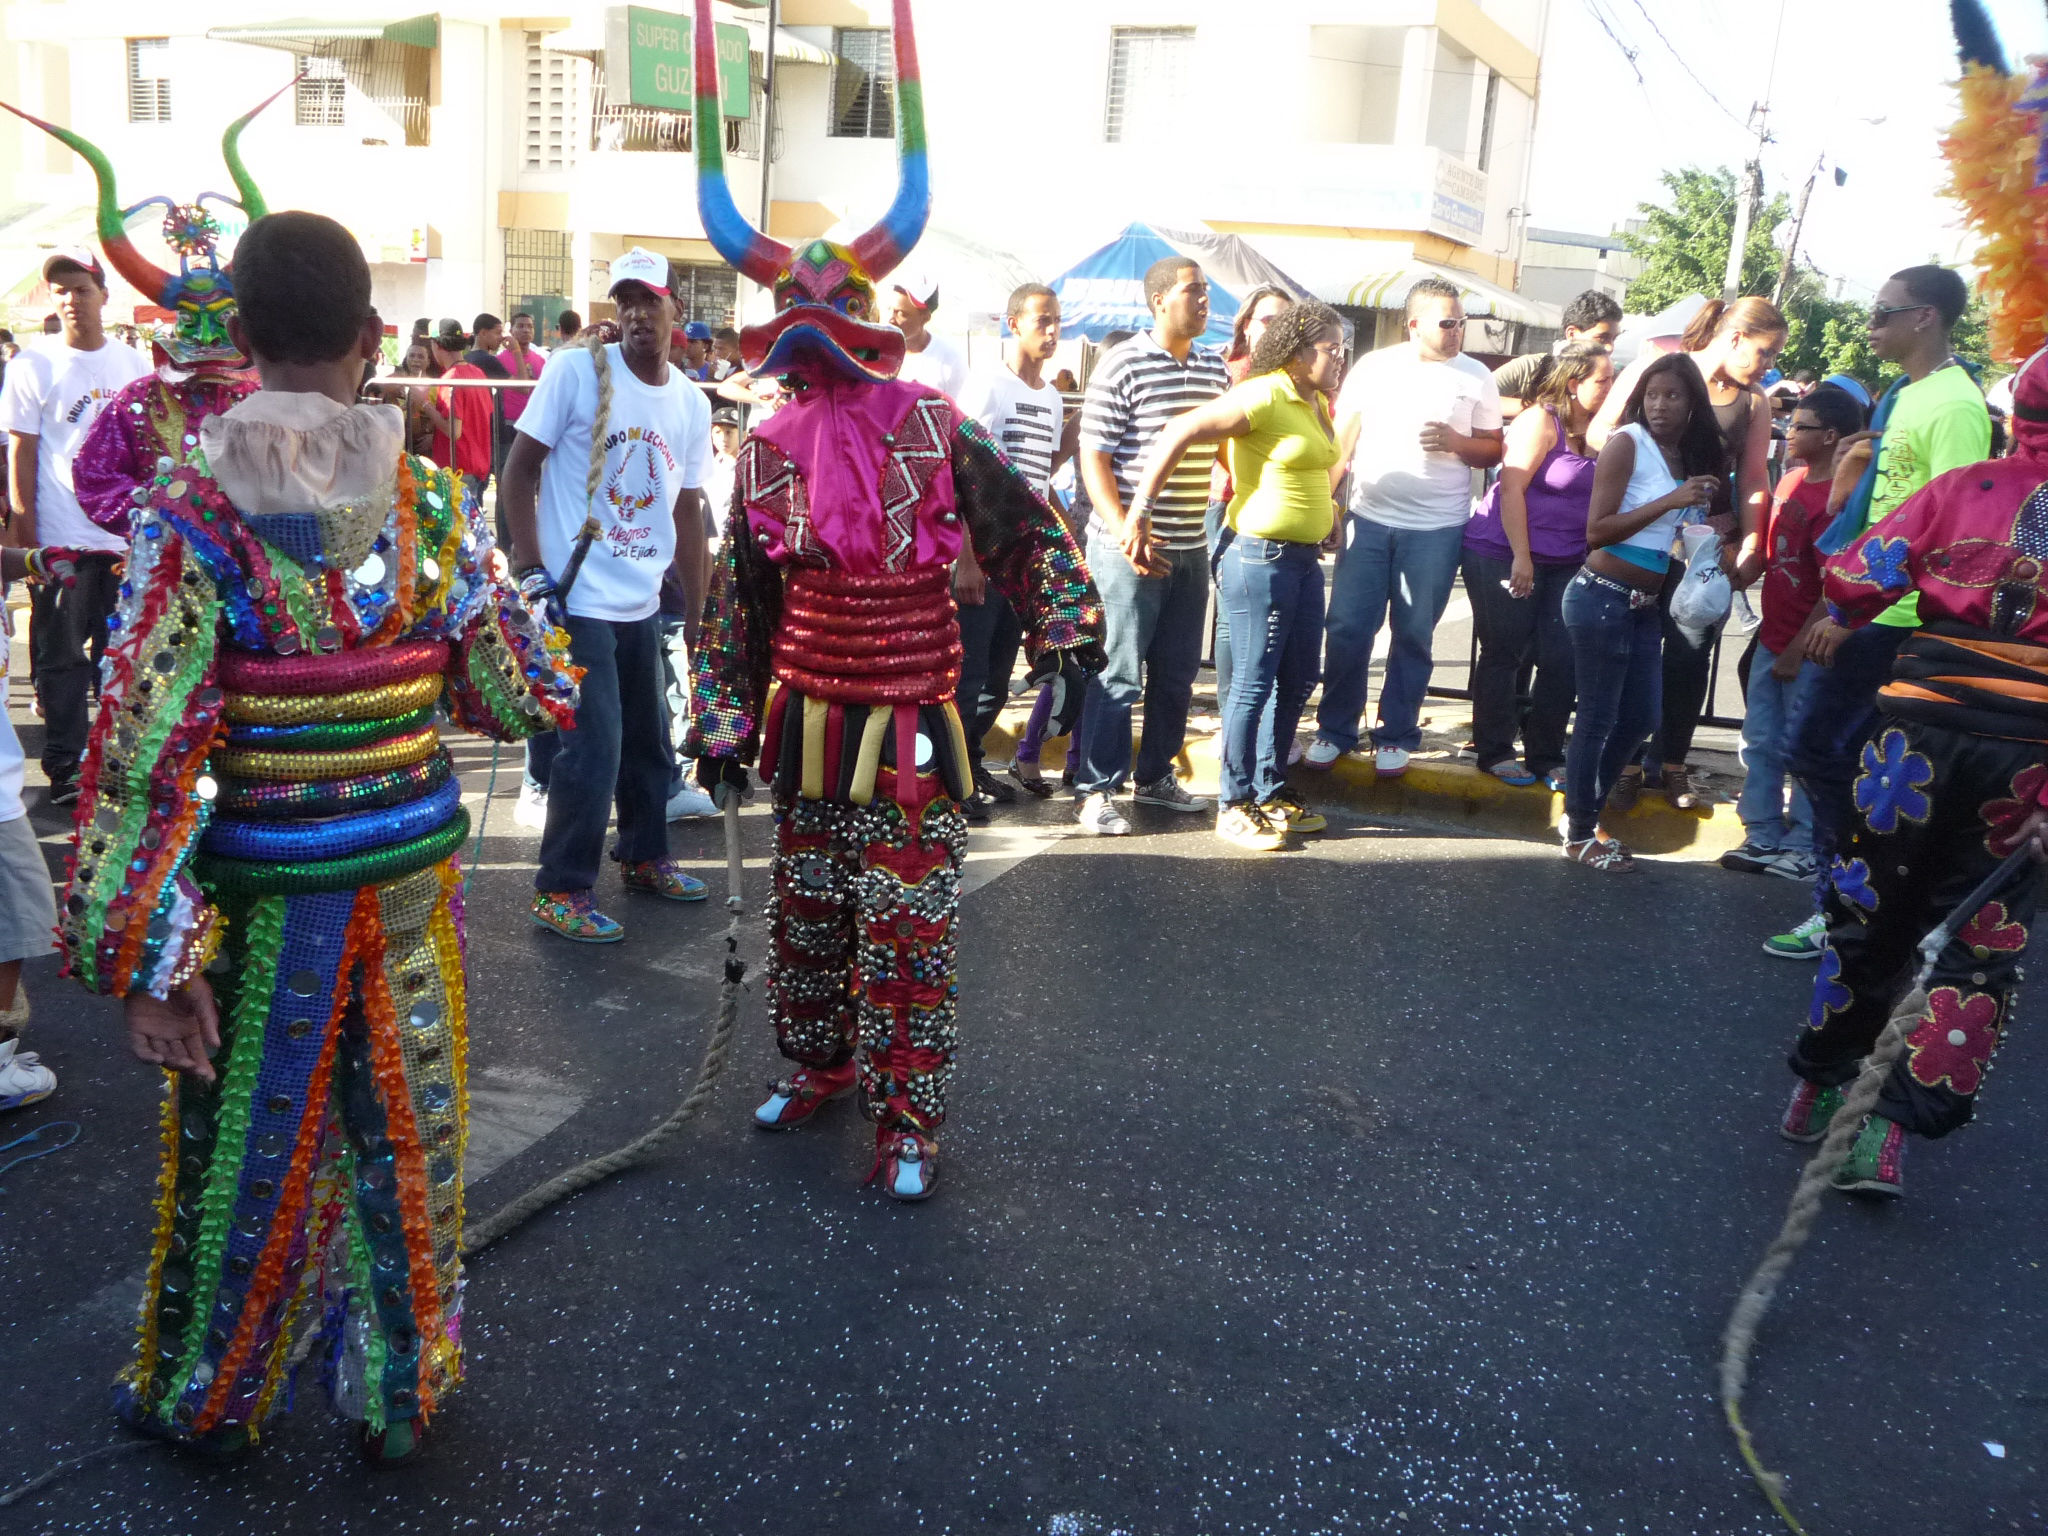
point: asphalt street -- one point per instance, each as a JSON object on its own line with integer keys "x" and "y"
{"x": 1398, "y": 1184}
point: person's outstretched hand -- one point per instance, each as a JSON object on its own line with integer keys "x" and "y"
{"x": 180, "y": 1033}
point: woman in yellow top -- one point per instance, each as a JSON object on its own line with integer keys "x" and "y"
{"x": 1283, "y": 459}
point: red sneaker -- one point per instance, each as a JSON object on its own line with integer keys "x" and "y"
{"x": 802, "y": 1094}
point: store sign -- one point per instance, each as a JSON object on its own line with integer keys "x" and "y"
{"x": 648, "y": 62}
{"x": 1457, "y": 207}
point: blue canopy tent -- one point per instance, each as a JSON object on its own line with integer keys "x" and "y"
{"x": 1105, "y": 290}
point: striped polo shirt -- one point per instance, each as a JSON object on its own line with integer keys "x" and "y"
{"x": 1135, "y": 392}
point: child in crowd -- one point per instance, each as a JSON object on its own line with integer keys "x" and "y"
{"x": 1778, "y": 840}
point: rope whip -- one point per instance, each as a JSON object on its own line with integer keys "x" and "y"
{"x": 1738, "y": 1342}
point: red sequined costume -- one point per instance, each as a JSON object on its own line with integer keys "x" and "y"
{"x": 831, "y": 650}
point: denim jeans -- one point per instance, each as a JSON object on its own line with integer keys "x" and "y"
{"x": 1152, "y": 636}
{"x": 1827, "y": 732}
{"x": 1617, "y": 658}
{"x": 67, "y": 636}
{"x": 1405, "y": 572}
{"x": 1766, "y": 736}
{"x": 1272, "y": 596}
{"x": 618, "y": 752}
{"x": 1513, "y": 632}
{"x": 990, "y": 638}
{"x": 1213, "y": 531}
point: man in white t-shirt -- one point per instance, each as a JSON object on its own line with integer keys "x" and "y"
{"x": 912, "y": 300}
{"x": 52, "y": 396}
{"x": 654, "y": 451}
{"x": 1027, "y": 419}
{"x": 1413, "y": 420}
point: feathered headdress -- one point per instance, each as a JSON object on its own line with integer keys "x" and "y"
{"x": 201, "y": 292}
{"x": 1998, "y": 171}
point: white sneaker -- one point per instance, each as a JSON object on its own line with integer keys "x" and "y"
{"x": 690, "y": 801}
{"x": 1167, "y": 791}
{"x": 23, "y": 1079}
{"x": 1100, "y": 816}
{"x": 1321, "y": 753}
{"x": 532, "y": 809}
{"x": 1294, "y": 752}
{"x": 1390, "y": 762}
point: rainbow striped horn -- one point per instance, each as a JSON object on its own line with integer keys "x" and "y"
{"x": 883, "y": 248}
{"x": 231, "y": 151}
{"x": 744, "y": 247}
{"x": 155, "y": 284}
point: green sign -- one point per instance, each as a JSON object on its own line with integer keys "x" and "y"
{"x": 654, "y": 47}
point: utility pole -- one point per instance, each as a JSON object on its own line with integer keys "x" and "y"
{"x": 768, "y": 111}
{"x": 1752, "y": 193}
{"x": 1792, "y": 245}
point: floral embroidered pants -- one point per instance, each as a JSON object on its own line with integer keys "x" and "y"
{"x": 861, "y": 956}
{"x": 1929, "y": 800}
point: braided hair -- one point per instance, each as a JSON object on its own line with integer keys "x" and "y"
{"x": 1288, "y": 332}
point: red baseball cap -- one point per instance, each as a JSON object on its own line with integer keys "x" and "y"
{"x": 75, "y": 256}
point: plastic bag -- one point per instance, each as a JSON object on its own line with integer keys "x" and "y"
{"x": 1704, "y": 595}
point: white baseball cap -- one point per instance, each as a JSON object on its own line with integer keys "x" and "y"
{"x": 921, "y": 285}
{"x": 639, "y": 266}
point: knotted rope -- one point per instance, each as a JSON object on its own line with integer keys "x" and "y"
{"x": 1739, "y": 1340}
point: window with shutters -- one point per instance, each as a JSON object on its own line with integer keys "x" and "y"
{"x": 634, "y": 128}
{"x": 149, "y": 79}
{"x": 547, "y": 140}
{"x": 864, "y": 84}
{"x": 707, "y": 293}
{"x": 1149, "y": 73}
{"x": 320, "y": 98}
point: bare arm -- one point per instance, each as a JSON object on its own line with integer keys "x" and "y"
{"x": 1753, "y": 483}
{"x": 1070, "y": 440}
{"x": 1606, "y": 523}
{"x": 1210, "y": 423}
{"x": 1347, "y": 444}
{"x": 1098, "y": 473}
{"x": 1609, "y": 415}
{"x": 518, "y": 491}
{"x": 1477, "y": 449}
{"x": 693, "y": 553}
{"x": 22, "y": 448}
{"x": 1529, "y": 438}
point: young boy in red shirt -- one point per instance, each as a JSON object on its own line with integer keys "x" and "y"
{"x": 1778, "y": 840}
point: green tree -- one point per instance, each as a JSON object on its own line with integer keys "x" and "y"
{"x": 1684, "y": 244}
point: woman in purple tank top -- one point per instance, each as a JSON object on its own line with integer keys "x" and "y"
{"x": 1522, "y": 547}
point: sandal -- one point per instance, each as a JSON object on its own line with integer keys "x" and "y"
{"x": 1679, "y": 788}
{"x": 1029, "y": 778}
{"x": 1554, "y": 781}
{"x": 1606, "y": 854}
{"x": 1512, "y": 773}
{"x": 1628, "y": 789}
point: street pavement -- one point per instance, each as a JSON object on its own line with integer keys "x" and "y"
{"x": 1397, "y": 1184}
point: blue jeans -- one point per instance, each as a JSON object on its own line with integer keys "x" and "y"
{"x": 618, "y": 752}
{"x": 1152, "y": 636}
{"x": 1618, "y": 662}
{"x": 1213, "y": 531}
{"x": 990, "y": 638}
{"x": 1766, "y": 737}
{"x": 1272, "y": 596}
{"x": 1827, "y": 733}
{"x": 1408, "y": 571}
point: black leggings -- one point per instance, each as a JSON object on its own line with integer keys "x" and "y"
{"x": 1688, "y": 661}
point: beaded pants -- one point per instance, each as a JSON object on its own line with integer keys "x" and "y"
{"x": 1927, "y": 798}
{"x": 861, "y": 957}
{"x": 316, "y": 1185}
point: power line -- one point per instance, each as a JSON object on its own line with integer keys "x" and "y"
{"x": 1672, "y": 49}
{"x": 1627, "y": 52}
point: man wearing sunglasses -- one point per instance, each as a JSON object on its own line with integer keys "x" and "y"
{"x": 1933, "y": 420}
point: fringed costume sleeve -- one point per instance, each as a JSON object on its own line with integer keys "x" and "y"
{"x": 1026, "y": 551}
{"x": 133, "y": 918}
{"x": 508, "y": 677}
{"x": 741, "y": 612}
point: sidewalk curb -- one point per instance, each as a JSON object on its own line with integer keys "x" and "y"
{"x": 1454, "y": 795}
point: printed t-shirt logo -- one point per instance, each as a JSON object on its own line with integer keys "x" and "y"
{"x": 633, "y": 489}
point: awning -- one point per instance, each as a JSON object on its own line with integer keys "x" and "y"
{"x": 307, "y": 36}
{"x": 585, "y": 38}
{"x": 1377, "y": 274}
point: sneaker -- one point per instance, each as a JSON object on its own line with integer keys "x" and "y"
{"x": 661, "y": 877}
{"x": 1808, "y": 1115}
{"x": 1167, "y": 791}
{"x": 689, "y": 800}
{"x": 975, "y": 809}
{"x": 1679, "y": 788}
{"x": 531, "y": 811}
{"x": 1246, "y": 826}
{"x": 1290, "y": 813}
{"x": 802, "y": 1094}
{"x": 24, "y": 1080}
{"x": 987, "y": 784}
{"x": 1752, "y": 858}
{"x": 64, "y": 791}
{"x": 1294, "y": 751}
{"x": 908, "y": 1163}
{"x": 1390, "y": 762}
{"x": 1803, "y": 943}
{"x": 1795, "y": 864}
{"x": 1627, "y": 790}
{"x": 574, "y": 915}
{"x": 1321, "y": 753}
{"x": 1100, "y": 816}
{"x": 1876, "y": 1163}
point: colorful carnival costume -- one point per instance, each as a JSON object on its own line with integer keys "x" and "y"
{"x": 1960, "y": 759}
{"x": 831, "y": 648}
{"x": 266, "y": 796}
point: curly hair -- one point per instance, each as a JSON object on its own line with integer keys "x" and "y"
{"x": 1289, "y": 332}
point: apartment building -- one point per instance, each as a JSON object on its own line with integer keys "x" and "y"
{"x": 492, "y": 159}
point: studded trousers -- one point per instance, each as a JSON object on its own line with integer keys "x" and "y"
{"x": 861, "y": 960}
{"x": 316, "y": 1184}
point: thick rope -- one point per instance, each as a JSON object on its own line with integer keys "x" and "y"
{"x": 601, "y": 365}
{"x": 486, "y": 1232}
{"x": 1739, "y": 1340}
{"x": 72, "y": 1464}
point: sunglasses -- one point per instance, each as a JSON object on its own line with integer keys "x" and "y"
{"x": 1881, "y": 315}
{"x": 1448, "y": 325}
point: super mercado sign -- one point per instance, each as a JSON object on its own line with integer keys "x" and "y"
{"x": 654, "y": 47}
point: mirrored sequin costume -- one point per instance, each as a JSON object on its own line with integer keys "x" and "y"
{"x": 831, "y": 643}
{"x": 266, "y": 797}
